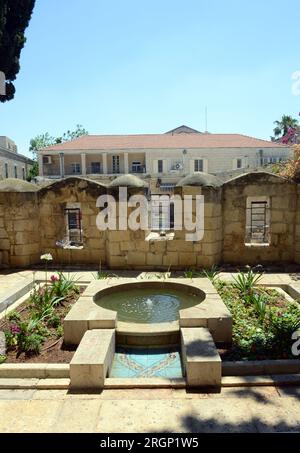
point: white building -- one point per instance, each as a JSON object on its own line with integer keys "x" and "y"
{"x": 163, "y": 159}
{"x": 12, "y": 164}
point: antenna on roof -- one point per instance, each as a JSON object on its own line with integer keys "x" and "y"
{"x": 206, "y": 118}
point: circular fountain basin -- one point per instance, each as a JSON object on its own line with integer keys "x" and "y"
{"x": 149, "y": 302}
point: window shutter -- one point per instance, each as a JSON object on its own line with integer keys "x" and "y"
{"x": 155, "y": 166}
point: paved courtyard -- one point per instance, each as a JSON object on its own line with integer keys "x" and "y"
{"x": 255, "y": 409}
{"x": 236, "y": 409}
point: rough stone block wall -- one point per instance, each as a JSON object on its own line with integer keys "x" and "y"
{"x": 283, "y": 204}
{"x": 52, "y": 202}
{"x": 32, "y": 222}
{"x": 19, "y": 229}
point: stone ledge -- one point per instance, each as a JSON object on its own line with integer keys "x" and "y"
{"x": 131, "y": 383}
{"x": 12, "y": 295}
{"x": 200, "y": 358}
{"x": 260, "y": 367}
{"x": 34, "y": 370}
{"x": 255, "y": 381}
{"x": 92, "y": 360}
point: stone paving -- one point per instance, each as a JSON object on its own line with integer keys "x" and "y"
{"x": 256, "y": 409}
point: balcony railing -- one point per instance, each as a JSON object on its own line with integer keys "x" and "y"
{"x": 94, "y": 169}
{"x": 138, "y": 169}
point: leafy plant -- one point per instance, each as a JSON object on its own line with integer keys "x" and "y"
{"x": 25, "y": 336}
{"x": 59, "y": 331}
{"x": 2, "y": 358}
{"x": 260, "y": 304}
{"x": 245, "y": 282}
{"x": 189, "y": 273}
{"x": 211, "y": 273}
{"x": 14, "y": 316}
{"x": 62, "y": 286}
{"x": 54, "y": 321}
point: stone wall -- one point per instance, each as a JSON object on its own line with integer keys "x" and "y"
{"x": 19, "y": 229}
{"x": 283, "y": 204}
{"x": 31, "y": 223}
{"x": 52, "y": 202}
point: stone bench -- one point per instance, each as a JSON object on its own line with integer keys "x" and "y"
{"x": 201, "y": 361}
{"x": 93, "y": 359}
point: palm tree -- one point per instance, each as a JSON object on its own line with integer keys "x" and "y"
{"x": 282, "y": 127}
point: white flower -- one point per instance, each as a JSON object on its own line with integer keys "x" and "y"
{"x": 47, "y": 257}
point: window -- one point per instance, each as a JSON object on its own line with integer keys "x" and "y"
{"x": 75, "y": 168}
{"x": 258, "y": 220}
{"x": 162, "y": 213}
{"x": 73, "y": 221}
{"x": 136, "y": 167}
{"x": 198, "y": 165}
{"x": 239, "y": 163}
{"x": 167, "y": 186}
{"x": 23, "y": 173}
{"x": 116, "y": 164}
{"x": 6, "y": 170}
{"x": 15, "y": 171}
{"x": 160, "y": 166}
{"x": 95, "y": 168}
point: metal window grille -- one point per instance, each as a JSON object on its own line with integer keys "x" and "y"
{"x": 116, "y": 164}
{"x": 258, "y": 221}
{"x": 74, "y": 230}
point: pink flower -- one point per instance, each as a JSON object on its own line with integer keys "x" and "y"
{"x": 54, "y": 278}
{"x": 15, "y": 330}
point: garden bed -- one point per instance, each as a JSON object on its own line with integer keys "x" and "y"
{"x": 263, "y": 319}
{"x": 34, "y": 330}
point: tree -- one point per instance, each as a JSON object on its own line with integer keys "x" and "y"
{"x": 41, "y": 141}
{"x": 14, "y": 19}
{"x": 284, "y": 126}
{"x": 45, "y": 140}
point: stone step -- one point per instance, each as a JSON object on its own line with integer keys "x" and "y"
{"x": 201, "y": 361}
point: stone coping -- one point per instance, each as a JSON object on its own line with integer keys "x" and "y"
{"x": 15, "y": 293}
{"x": 155, "y": 382}
{"x": 238, "y": 368}
{"x": 260, "y": 367}
{"x": 278, "y": 380}
{"x": 139, "y": 329}
{"x": 35, "y": 370}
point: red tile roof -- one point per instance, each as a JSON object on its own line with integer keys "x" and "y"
{"x": 164, "y": 141}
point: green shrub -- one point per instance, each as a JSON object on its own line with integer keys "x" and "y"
{"x": 2, "y": 358}
{"x": 189, "y": 273}
{"x": 54, "y": 321}
{"x": 59, "y": 331}
{"x": 14, "y": 316}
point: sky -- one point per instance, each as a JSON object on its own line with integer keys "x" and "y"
{"x": 148, "y": 66}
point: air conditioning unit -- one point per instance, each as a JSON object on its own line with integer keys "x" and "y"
{"x": 176, "y": 167}
{"x": 47, "y": 160}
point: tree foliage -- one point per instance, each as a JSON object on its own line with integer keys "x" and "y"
{"x": 14, "y": 19}
{"x": 291, "y": 168}
{"x": 284, "y": 125}
{"x": 44, "y": 140}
